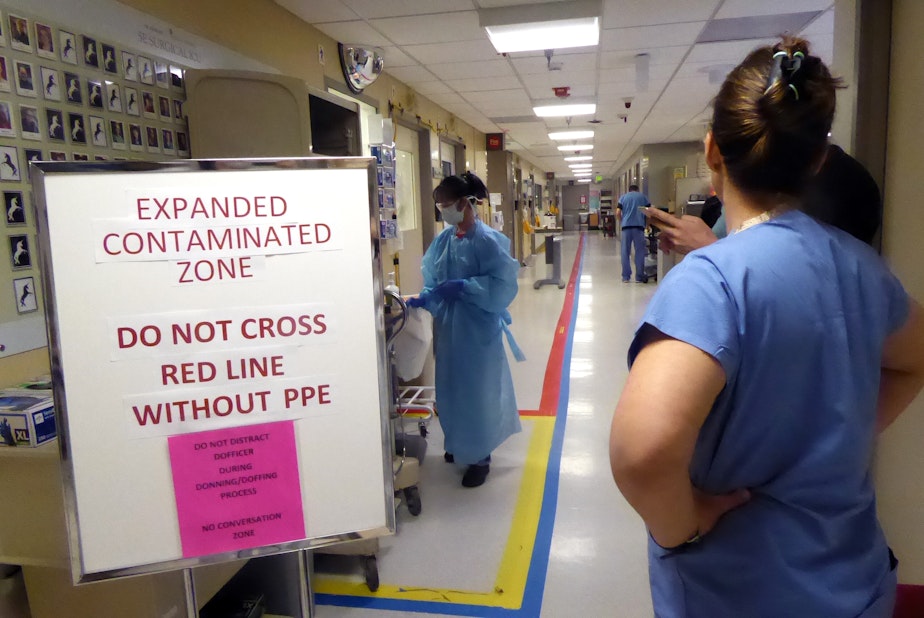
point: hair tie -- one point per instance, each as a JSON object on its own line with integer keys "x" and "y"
{"x": 783, "y": 61}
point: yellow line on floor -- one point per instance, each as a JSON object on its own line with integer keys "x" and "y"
{"x": 514, "y": 566}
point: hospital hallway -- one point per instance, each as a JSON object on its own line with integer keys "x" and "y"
{"x": 548, "y": 534}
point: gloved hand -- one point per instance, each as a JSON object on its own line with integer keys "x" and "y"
{"x": 450, "y": 290}
{"x": 417, "y": 302}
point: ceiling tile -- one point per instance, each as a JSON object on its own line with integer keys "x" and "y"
{"x": 727, "y": 51}
{"x": 420, "y": 29}
{"x": 750, "y": 8}
{"x": 412, "y": 75}
{"x": 650, "y": 37}
{"x": 457, "y": 51}
{"x": 463, "y": 70}
{"x": 430, "y": 88}
{"x": 824, "y": 24}
{"x": 632, "y": 13}
{"x": 511, "y": 96}
{"x": 660, "y": 56}
{"x": 748, "y": 28}
{"x": 373, "y": 9}
{"x": 556, "y": 79}
{"x": 318, "y": 12}
{"x": 353, "y": 32}
{"x": 394, "y": 57}
{"x": 539, "y": 64}
{"x": 480, "y": 85}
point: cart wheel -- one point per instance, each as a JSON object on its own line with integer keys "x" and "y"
{"x": 412, "y": 497}
{"x": 423, "y": 430}
{"x": 371, "y": 572}
{"x": 561, "y": 286}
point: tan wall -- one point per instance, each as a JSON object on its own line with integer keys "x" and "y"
{"x": 901, "y": 456}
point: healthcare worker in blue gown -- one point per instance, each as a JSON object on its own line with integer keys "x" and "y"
{"x": 470, "y": 279}
{"x": 762, "y": 372}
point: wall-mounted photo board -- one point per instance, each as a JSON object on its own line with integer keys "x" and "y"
{"x": 218, "y": 358}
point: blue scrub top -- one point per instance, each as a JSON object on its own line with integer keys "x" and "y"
{"x": 796, "y": 312}
{"x": 632, "y": 204}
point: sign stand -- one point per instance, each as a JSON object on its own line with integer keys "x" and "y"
{"x": 217, "y": 337}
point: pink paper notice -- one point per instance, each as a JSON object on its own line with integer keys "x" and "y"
{"x": 237, "y": 488}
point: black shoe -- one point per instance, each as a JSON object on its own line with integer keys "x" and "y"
{"x": 475, "y": 475}
{"x": 448, "y": 458}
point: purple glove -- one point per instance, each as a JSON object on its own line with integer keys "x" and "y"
{"x": 417, "y": 302}
{"x": 450, "y": 290}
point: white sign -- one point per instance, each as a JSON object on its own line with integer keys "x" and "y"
{"x": 187, "y": 301}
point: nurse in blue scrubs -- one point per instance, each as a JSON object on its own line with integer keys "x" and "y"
{"x": 761, "y": 374}
{"x": 470, "y": 279}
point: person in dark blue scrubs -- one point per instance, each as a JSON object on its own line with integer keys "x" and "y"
{"x": 761, "y": 374}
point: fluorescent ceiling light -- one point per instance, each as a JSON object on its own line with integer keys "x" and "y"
{"x": 542, "y": 26}
{"x": 582, "y": 173}
{"x": 576, "y": 166}
{"x": 584, "y": 179}
{"x": 560, "y": 34}
{"x": 571, "y": 135}
{"x": 577, "y": 147}
{"x": 574, "y": 109}
{"x": 580, "y": 158}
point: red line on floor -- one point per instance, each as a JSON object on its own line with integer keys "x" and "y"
{"x": 548, "y": 404}
{"x": 909, "y": 602}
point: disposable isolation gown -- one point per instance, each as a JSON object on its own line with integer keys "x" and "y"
{"x": 796, "y": 313}
{"x": 474, "y": 390}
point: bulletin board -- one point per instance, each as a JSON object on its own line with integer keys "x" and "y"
{"x": 218, "y": 358}
{"x": 68, "y": 94}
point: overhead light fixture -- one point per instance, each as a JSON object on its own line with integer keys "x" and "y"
{"x": 547, "y": 25}
{"x": 584, "y": 179}
{"x": 580, "y": 158}
{"x": 576, "y": 147}
{"x": 582, "y": 172}
{"x": 571, "y": 135}
{"x": 577, "y": 166}
{"x": 569, "y": 109}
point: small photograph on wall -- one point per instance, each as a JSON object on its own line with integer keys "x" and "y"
{"x": 2, "y": 38}
{"x": 132, "y": 105}
{"x": 45, "y": 41}
{"x": 100, "y": 158}
{"x": 176, "y": 77}
{"x": 25, "y": 295}
{"x": 164, "y": 105}
{"x": 178, "y": 111}
{"x": 32, "y": 155}
{"x": 19, "y": 34}
{"x": 20, "y": 257}
{"x": 6, "y": 120}
{"x": 29, "y": 122}
{"x": 117, "y": 134}
{"x": 98, "y": 131}
{"x": 153, "y": 143}
{"x": 166, "y": 136}
{"x": 145, "y": 71}
{"x": 130, "y": 66}
{"x": 81, "y": 156}
{"x": 147, "y": 103}
{"x": 14, "y": 208}
{"x": 51, "y": 84}
{"x": 90, "y": 52}
{"x": 72, "y": 88}
{"x": 110, "y": 63}
{"x": 57, "y": 155}
{"x": 5, "y": 85}
{"x": 78, "y": 128}
{"x": 9, "y": 164}
{"x": 25, "y": 79}
{"x": 161, "y": 74}
{"x": 114, "y": 97}
{"x": 135, "y": 137}
{"x": 67, "y": 43}
{"x": 182, "y": 144}
{"x": 95, "y": 93}
{"x": 54, "y": 123}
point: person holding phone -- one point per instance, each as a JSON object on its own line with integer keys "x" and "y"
{"x": 761, "y": 374}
